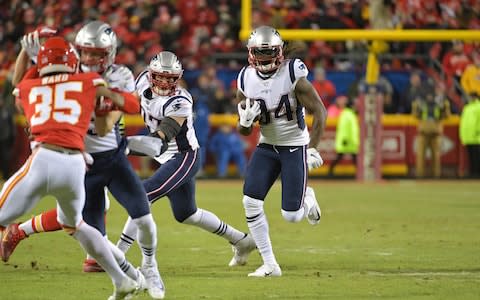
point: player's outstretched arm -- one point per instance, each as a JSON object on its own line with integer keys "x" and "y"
{"x": 308, "y": 97}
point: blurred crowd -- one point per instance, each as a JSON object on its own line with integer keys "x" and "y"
{"x": 197, "y": 30}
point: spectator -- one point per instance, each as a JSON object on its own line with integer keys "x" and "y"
{"x": 470, "y": 134}
{"x": 324, "y": 87}
{"x": 384, "y": 90}
{"x": 440, "y": 95}
{"x": 226, "y": 145}
{"x": 202, "y": 95}
{"x": 471, "y": 76}
{"x": 347, "y": 134}
{"x": 228, "y": 103}
{"x": 334, "y": 109}
{"x": 454, "y": 63}
{"x": 415, "y": 90}
{"x": 429, "y": 131}
{"x": 7, "y": 127}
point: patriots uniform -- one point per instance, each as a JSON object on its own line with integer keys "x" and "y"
{"x": 155, "y": 108}
{"x": 282, "y": 119}
{"x": 284, "y": 135}
{"x": 111, "y": 167}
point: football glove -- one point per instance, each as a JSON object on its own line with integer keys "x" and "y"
{"x": 31, "y": 41}
{"x": 314, "y": 160}
{"x": 249, "y": 113}
{"x": 164, "y": 147}
{"x": 120, "y": 78}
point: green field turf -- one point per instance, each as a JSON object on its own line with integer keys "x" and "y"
{"x": 392, "y": 240}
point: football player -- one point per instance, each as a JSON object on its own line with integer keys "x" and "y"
{"x": 58, "y": 107}
{"x": 167, "y": 110}
{"x": 97, "y": 45}
{"x": 275, "y": 91}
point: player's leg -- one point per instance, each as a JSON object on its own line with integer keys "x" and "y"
{"x": 19, "y": 194}
{"x": 127, "y": 267}
{"x": 420, "y": 157}
{"x": 182, "y": 201}
{"x": 177, "y": 180}
{"x": 68, "y": 188}
{"x": 127, "y": 188}
{"x": 334, "y": 163}
{"x": 298, "y": 200}
{"x": 262, "y": 171}
{"x": 94, "y": 209}
{"x": 435, "y": 147}
{"x": 44, "y": 222}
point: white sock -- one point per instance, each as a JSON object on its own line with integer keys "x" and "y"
{"x": 147, "y": 238}
{"x": 128, "y": 236}
{"x": 27, "y": 227}
{"x": 211, "y": 223}
{"x": 91, "y": 257}
{"x": 94, "y": 243}
{"x": 122, "y": 261}
{"x": 309, "y": 201}
{"x": 258, "y": 225}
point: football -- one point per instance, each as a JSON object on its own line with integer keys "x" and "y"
{"x": 104, "y": 106}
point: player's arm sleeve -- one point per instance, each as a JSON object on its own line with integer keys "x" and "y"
{"x": 130, "y": 86}
{"x": 296, "y": 70}
{"x": 141, "y": 82}
{"x": 178, "y": 106}
{"x": 131, "y": 104}
{"x": 241, "y": 80}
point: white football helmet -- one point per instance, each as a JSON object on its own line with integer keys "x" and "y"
{"x": 265, "y": 49}
{"x": 98, "y": 46}
{"x": 165, "y": 70}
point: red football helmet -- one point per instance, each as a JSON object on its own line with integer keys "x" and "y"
{"x": 57, "y": 56}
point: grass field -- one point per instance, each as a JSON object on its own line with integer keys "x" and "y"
{"x": 392, "y": 240}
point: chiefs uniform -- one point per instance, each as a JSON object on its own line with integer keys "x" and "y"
{"x": 58, "y": 109}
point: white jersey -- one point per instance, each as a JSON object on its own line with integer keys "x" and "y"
{"x": 155, "y": 108}
{"x": 93, "y": 142}
{"x": 282, "y": 121}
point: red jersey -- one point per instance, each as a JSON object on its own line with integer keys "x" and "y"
{"x": 58, "y": 108}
